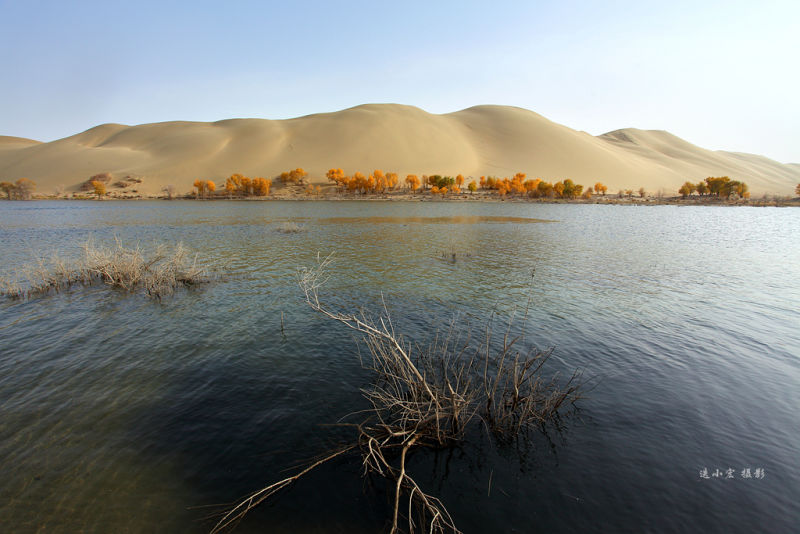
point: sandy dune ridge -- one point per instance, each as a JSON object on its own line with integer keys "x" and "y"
{"x": 482, "y": 140}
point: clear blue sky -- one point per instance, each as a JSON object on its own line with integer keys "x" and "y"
{"x": 723, "y": 75}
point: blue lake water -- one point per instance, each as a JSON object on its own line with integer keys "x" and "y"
{"x": 120, "y": 413}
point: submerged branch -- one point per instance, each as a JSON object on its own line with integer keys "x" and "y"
{"x": 427, "y": 397}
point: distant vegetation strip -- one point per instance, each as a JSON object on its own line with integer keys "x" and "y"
{"x": 379, "y": 182}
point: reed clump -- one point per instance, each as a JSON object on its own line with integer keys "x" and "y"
{"x": 429, "y": 397}
{"x": 156, "y": 272}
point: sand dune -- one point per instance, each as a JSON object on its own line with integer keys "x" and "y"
{"x": 483, "y": 140}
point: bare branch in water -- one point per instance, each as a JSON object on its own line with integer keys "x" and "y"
{"x": 428, "y": 397}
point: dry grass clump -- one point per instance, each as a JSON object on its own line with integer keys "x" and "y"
{"x": 428, "y": 397}
{"x": 156, "y": 273}
{"x": 290, "y": 227}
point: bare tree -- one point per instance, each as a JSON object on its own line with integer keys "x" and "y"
{"x": 24, "y": 188}
{"x": 169, "y": 190}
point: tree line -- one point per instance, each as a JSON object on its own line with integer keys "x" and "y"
{"x": 22, "y": 189}
{"x": 720, "y": 186}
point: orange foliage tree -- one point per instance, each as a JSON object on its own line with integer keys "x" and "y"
{"x": 99, "y": 188}
{"x": 201, "y": 187}
{"x": 261, "y": 186}
{"x": 295, "y": 176}
{"x": 241, "y": 185}
{"x": 412, "y": 180}
{"x": 338, "y": 177}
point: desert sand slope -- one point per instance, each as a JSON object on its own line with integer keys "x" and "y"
{"x": 16, "y": 142}
{"x": 688, "y": 161}
{"x": 483, "y": 140}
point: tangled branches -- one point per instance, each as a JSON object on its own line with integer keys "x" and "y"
{"x": 427, "y": 397}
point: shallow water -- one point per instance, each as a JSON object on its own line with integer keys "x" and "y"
{"x": 123, "y": 414}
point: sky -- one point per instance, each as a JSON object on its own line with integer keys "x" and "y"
{"x": 722, "y": 75}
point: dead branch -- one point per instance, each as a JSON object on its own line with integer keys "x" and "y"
{"x": 427, "y": 397}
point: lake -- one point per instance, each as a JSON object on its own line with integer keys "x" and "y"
{"x": 120, "y": 413}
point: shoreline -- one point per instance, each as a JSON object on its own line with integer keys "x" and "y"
{"x": 468, "y": 198}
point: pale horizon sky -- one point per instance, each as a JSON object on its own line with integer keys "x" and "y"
{"x": 721, "y": 75}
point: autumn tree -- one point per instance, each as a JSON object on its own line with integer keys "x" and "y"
{"x": 600, "y": 189}
{"x": 686, "y": 189}
{"x": 392, "y": 180}
{"x": 797, "y": 190}
{"x": 460, "y": 180}
{"x": 379, "y": 183}
{"x": 201, "y": 187}
{"x": 735, "y": 187}
{"x": 642, "y": 192}
{"x": 295, "y": 176}
{"x": 99, "y": 188}
{"x": 358, "y": 183}
{"x": 235, "y": 184}
{"x": 570, "y": 189}
{"x": 204, "y": 186}
{"x": 338, "y": 177}
{"x": 701, "y": 188}
{"x": 715, "y": 184}
{"x": 261, "y": 186}
{"x": 473, "y": 186}
{"x": 531, "y": 186}
{"x": 412, "y": 181}
{"x": 516, "y": 185}
{"x": 545, "y": 189}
